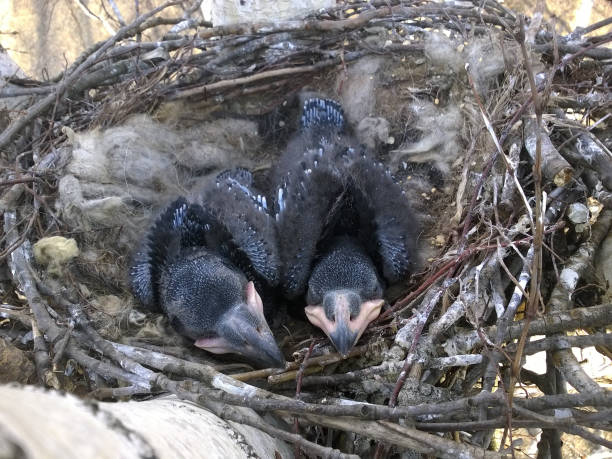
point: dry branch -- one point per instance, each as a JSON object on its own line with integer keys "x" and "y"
{"x": 561, "y": 299}
{"x": 554, "y": 167}
{"x": 554, "y": 322}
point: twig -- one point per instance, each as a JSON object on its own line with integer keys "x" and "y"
{"x": 429, "y": 304}
{"x": 106, "y": 370}
{"x": 561, "y": 299}
{"x": 564, "y": 342}
{"x": 258, "y": 399}
{"x": 551, "y": 402}
{"x": 590, "y": 436}
{"x": 20, "y": 268}
{"x": 15, "y": 243}
{"x": 165, "y": 363}
{"x": 554, "y": 167}
{"x": 405, "y": 437}
{"x": 554, "y": 322}
{"x": 593, "y": 51}
{"x": 60, "y": 346}
{"x": 391, "y": 433}
{"x": 83, "y": 6}
{"x": 212, "y": 88}
{"x": 393, "y": 367}
{"x": 118, "y": 392}
{"x": 298, "y": 390}
{"x": 487, "y": 170}
{"x": 500, "y": 152}
{"x": 595, "y": 26}
{"x": 566, "y": 424}
{"x": 41, "y": 358}
{"x": 117, "y": 12}
{"x": 316, "y": 362}
{"x": 17, "y": 125}
{"x": 250, "y": 419}
{"x": 504, "y": 321}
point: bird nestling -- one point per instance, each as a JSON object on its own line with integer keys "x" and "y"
{"x": 202, "y": 264}
{"x": 346, "y": 229}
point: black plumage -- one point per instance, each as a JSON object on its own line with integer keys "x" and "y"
{"x": 203, "y": 262}
{"x": 346, "y": 229}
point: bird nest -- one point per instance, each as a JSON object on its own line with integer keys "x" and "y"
{"x": 494, "y": 125}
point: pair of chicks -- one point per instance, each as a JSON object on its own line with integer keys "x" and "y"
{"x": 338, "y": 230}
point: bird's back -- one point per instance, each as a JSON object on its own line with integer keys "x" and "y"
{"x": 329, "y": 186}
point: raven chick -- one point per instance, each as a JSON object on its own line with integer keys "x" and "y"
{"x": 346, "y": 229}
{"x": 201, "y": 262}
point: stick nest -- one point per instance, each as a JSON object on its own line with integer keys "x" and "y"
{"x": 496, "y": 127}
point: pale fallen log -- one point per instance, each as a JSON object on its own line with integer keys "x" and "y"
{"x": 49, "y": 424}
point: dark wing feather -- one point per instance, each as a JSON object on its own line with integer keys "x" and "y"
{"x": 309, "y": 198}
{"x": 322, "y": 121}
{"x": 322, "y": 125}
{"x": 305, "y": 207}
{"x": 181, "y": 226}
{"x": 141, "y": 279}
{"x": 238, "y": 174}
{"x": 250, "y": 230}
{"x": 162, "y": 240}
{"x": 329, "y": 187}
{"x": 389, "y": 227}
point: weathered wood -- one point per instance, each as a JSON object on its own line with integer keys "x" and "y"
{"x": 47, "y": 424}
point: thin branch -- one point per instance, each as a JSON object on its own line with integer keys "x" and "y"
{"x": 554, "y": 322}
{"x": 17, "y": 125}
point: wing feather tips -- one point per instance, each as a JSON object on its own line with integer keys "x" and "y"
{"x": 259, "y": 246}
{"x": 397, "y": 256}
{"x": 141, "y": 280}
{"x": 154, "y": 253}
{"x": 318, "y": 113}
{"x": 228, "y": 219}
{"x": 249, "y": 227}
{"x": 238, "y": 174}
{"x": 322, "y": 122}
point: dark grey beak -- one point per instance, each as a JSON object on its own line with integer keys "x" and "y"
{"x": 243, "y": 330}
{"x": 349, "y": 319}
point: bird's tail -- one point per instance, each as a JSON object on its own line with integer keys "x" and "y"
{"x": 322, "y": 118}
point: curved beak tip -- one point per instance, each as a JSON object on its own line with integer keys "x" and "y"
{"x": 344, "y": 329}
{"x": 277, "y": 361}
{"x": 266, "y": 350}
{"x": 343, "y": 340}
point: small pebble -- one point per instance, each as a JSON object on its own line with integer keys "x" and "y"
{"x": 578, "y": 213}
